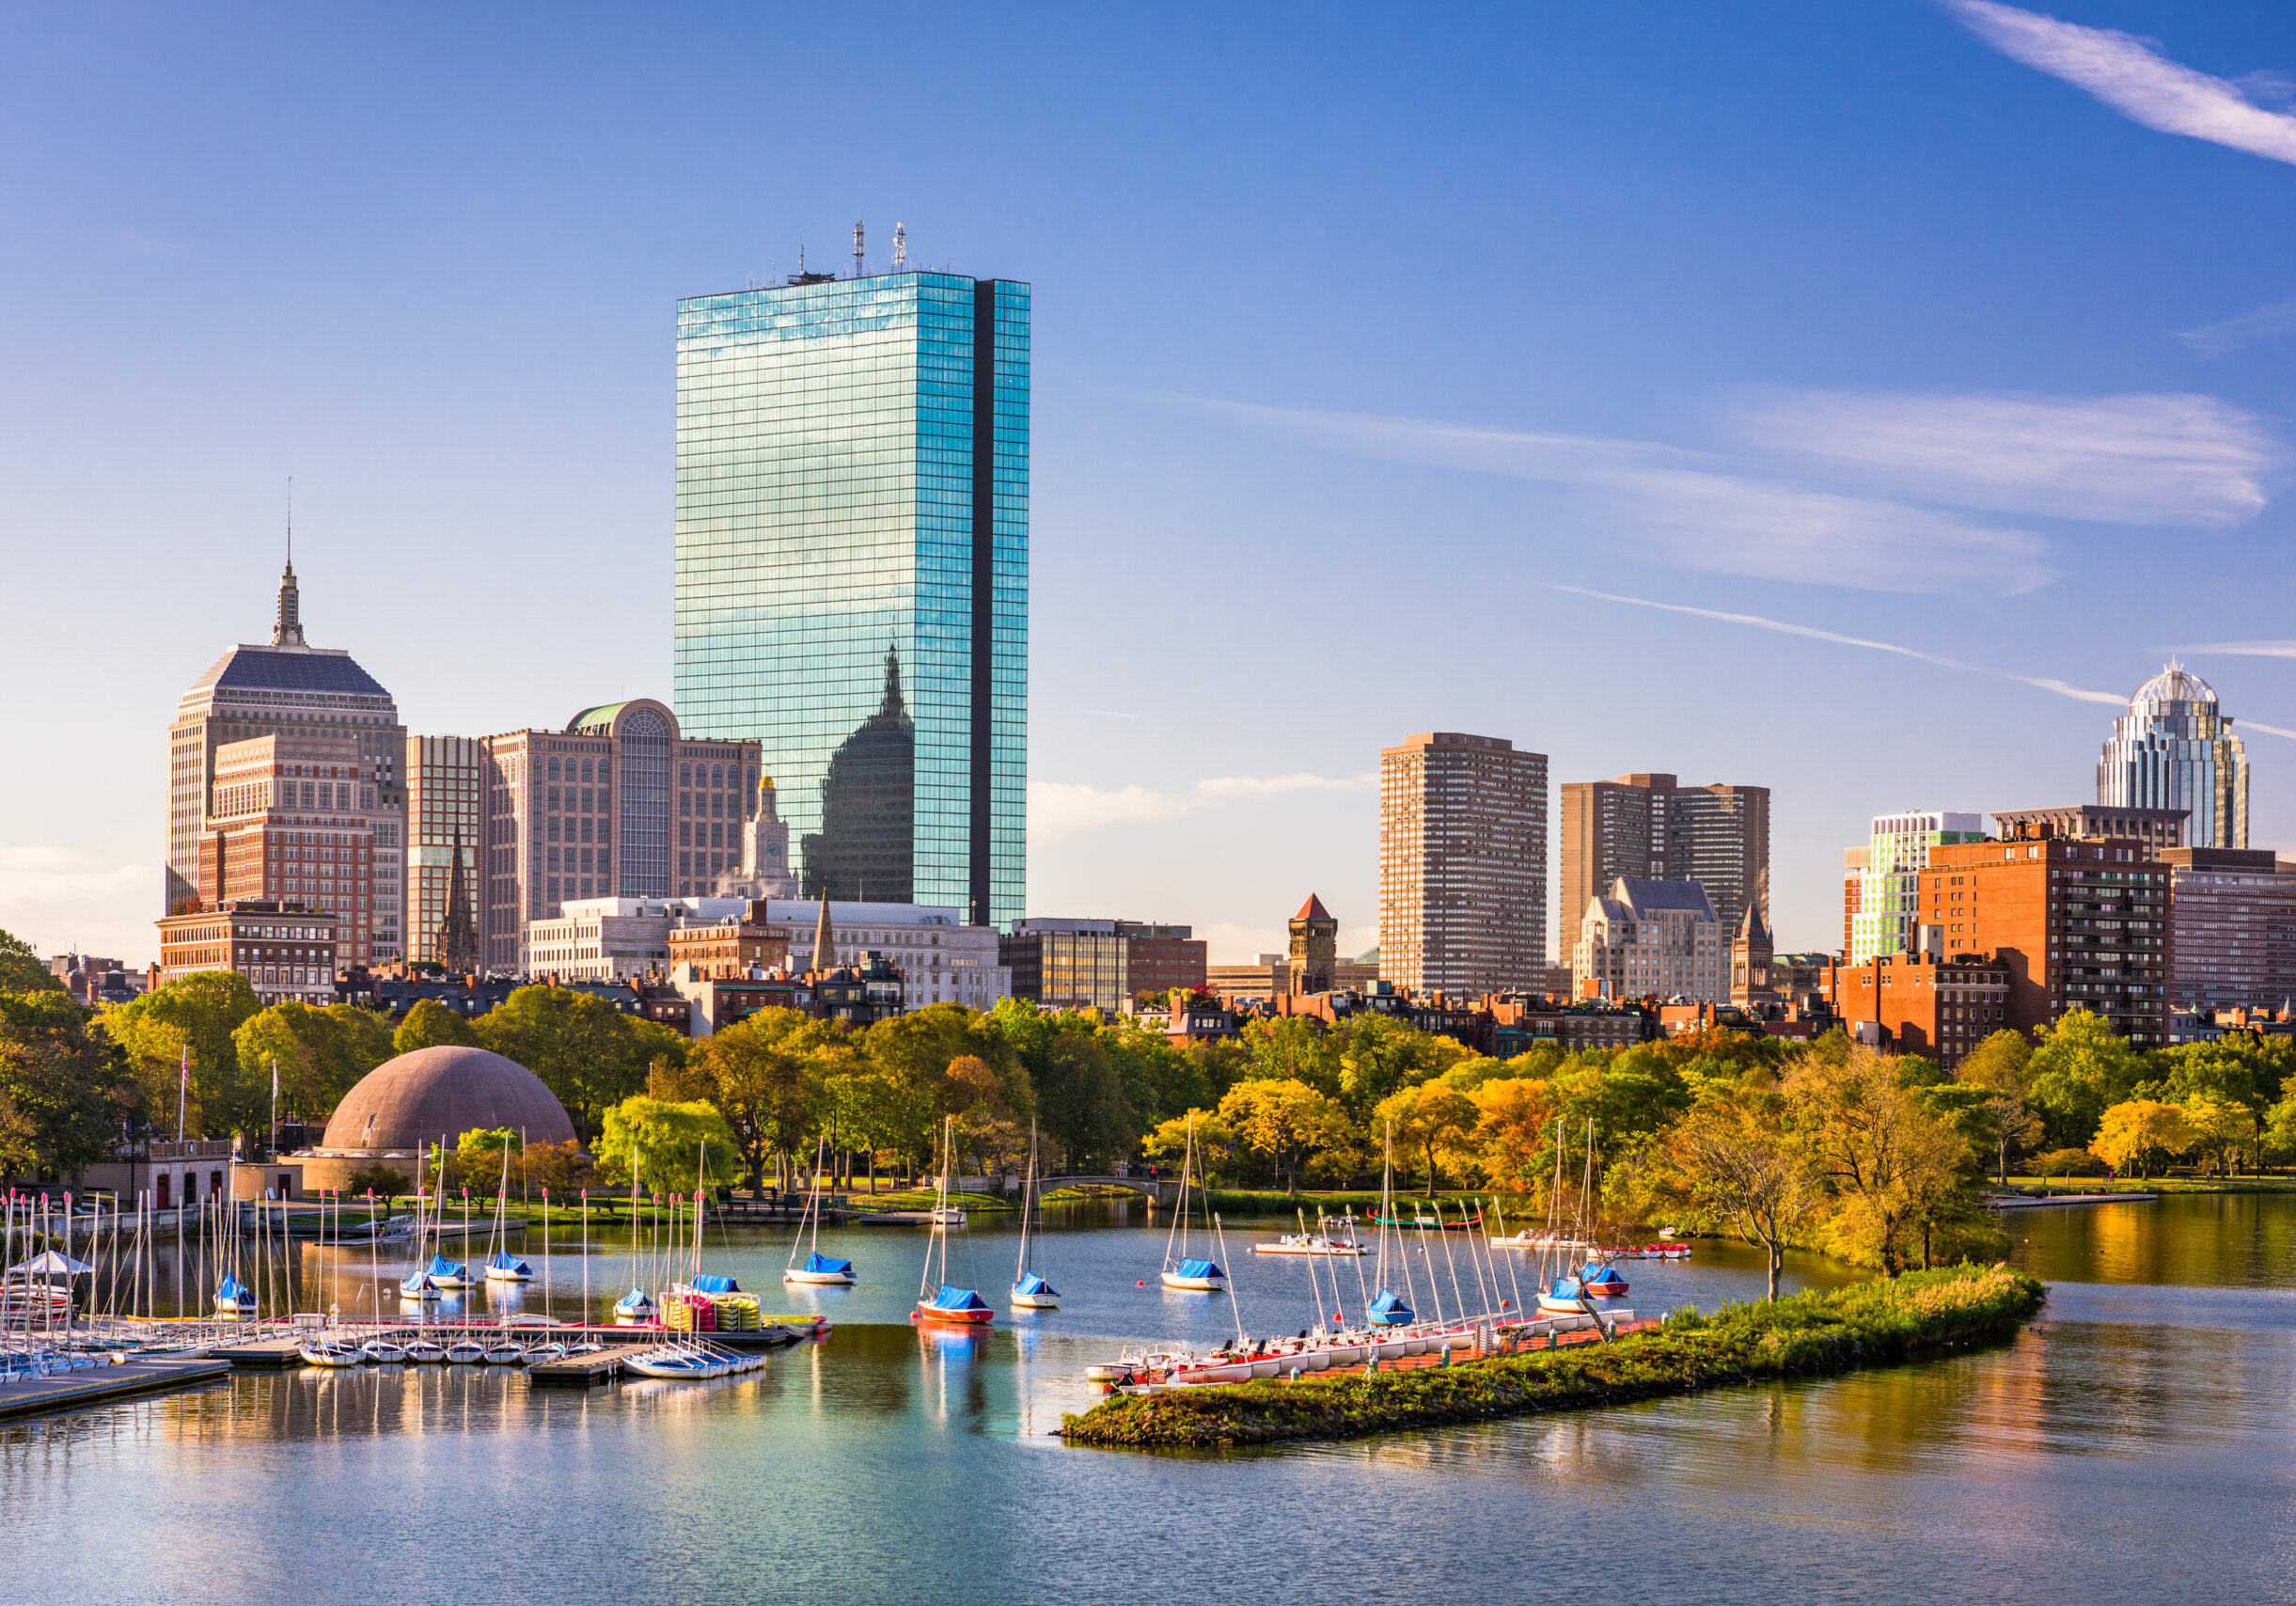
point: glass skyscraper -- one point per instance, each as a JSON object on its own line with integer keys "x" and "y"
{"x": 853, "y": 571}
{"x": 2175, "y": 749}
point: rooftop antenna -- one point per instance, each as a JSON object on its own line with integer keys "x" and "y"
{"x": 290, "y": 521}
{"x": 856, "y": 247}
{"x": 901, "y": 247}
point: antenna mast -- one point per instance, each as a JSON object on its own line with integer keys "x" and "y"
{"x": 856, "y": 247}
{"x": 901, "y": 247}
{"x": 290, "y": 521}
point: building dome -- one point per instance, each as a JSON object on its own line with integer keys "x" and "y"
{"x": 442, "y": 1093}
{"x": 2174, "y": 684}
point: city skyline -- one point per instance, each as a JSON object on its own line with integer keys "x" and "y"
{"x": 1958, "y": 312}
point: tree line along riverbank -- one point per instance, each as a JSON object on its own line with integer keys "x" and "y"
{"x": 1868, "y": 1324}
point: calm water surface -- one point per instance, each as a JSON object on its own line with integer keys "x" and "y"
{"x": 2134, "y": 1444}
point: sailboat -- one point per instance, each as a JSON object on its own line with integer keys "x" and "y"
{"x": 1388, "y": 1308}
{"x": 1183, "y": 1271}
{"x": 502, "y": 1266}
{"x": 938, "y": 1301}
{"x": 1030, "y": 1289}
{"x": 635, "y": 1308}
{"x": 818, "y": 1271}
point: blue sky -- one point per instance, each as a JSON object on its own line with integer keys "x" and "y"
{"x": 1376, "y": 359}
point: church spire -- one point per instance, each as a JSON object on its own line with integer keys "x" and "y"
{"x": 893, "y": 708}
{"x": 823, "y": 949}
{"x": 288, "y": 632}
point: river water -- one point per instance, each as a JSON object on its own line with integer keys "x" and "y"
{"x": 2134, "y": 1443}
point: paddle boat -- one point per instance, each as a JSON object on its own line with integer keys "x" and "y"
{"x": 954, "y": 1307}
{"x": 234, "y": 1298}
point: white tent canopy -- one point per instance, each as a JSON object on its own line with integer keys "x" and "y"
{"x": 52, "y": 1264}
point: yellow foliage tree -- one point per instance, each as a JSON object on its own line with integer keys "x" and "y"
{"x": 2219, "y": 1128}
{"x": 2130, "y": 1134}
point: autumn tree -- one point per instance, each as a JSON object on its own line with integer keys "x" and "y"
{"x": 2134, "y": 1133}
{"x": 1286, "y": 1121}
{"x": 2219, "y": 1128}
{"x": 1428, "y": 1119}
{"x": 1888, "y": 1159}
{"x": 1733, "y": 1155}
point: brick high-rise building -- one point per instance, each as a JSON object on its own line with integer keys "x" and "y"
{"x": 2076, "y": 922}
{"x": 618, "y": 805}
{"x": 1649, "y": 826}
{"x": 1462, "y": 865}
{"x": 298, "y": 821}
{"x": 291, "y": 688}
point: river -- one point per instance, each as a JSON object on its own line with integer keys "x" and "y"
{"x": 2133, "y": 1444}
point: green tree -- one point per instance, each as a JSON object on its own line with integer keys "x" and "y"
{"x": 198, "y": 1013}
{"x": 760, "y": 1074}
{"x": 66, "y": 1089}
{"x": 2002, "y": 1065}
{"x": 666, "y": 1144}
{"x": 1429, "y": 1119}
{"x": 1733, "y": 1158}
{"x": 2219, "y": 1128}
{"x": 22, "y": 971}
{"x": 432, "y": 1025}
{"x": 1287, "y": 1120}
{"x": 585, "y": 1052}
{"x": 1889, "y": 1160}
{"x": 320, "y": 1053}
{"x": 1080, "y": 1101}
{"x": 2079, "y": 1067}
{"x": 380, "y": 1180}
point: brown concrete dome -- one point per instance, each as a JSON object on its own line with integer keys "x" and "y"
{"x": 440, "y": 1092}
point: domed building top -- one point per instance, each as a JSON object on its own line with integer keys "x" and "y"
{"x": 440, "y": 1094}
{"x": 2174, "y": 684}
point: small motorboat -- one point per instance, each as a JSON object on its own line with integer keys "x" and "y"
{"x": 508, "y": 1267}
{"x": 1032, "y": 1293}
{"x": 466, "y": 1352}
{"x": 1195, "y": 1277}
{"x": 1388, "y": 1309}
{"x": 634, "y": 1309}
{"x": 384, "y": 1351}
{"x": 233, "y": 1298}
{"x": 954, "y": 1307}
{"x": 1603, "y": 1282}
{"x": 1309, "y": 1243}
{"x": 324, "y": 1351}
{"x": 820, "y": 1272}
{"x": 504, "y": 1352}
{"x": 425, "y": 1352}
{"x": 945, "y": 1216}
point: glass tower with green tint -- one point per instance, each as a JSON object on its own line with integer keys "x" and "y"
{"x": 853, "y": 571}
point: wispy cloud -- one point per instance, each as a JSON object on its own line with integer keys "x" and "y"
{"x": 2174, "y": 459}
{"x": 2244, "y": 649}
{"x": 1063, "y": 807}
{"x": 2264, "y": 324}
{"x": 1110, "y": 714}
{"x": 1756, "y": 621}
{"x": 54, "y": 896}
{"x": 2131, "y": 75}
{"x": 1696, "y": 509}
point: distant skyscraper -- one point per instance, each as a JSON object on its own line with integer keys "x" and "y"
{"x": 2173, "y": 749}
{"x": 445, "y": 782}
{"x": 1652, "y": 827}
{"x": 853, "y": 571}
{"x": 331, "y": 792}
{"x": 1462, "y": 865}
{"x": 1886, "y": 893}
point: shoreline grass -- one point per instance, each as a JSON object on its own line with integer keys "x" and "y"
{"x": 1867, "y": 1324}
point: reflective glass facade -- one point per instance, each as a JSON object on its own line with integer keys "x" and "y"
{"x": 853, "y": 573}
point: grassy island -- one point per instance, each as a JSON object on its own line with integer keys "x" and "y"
{"x": 1868, "y": 1324}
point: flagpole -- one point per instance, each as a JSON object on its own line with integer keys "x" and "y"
{"x": 182, "y": 1091}
{"x": 275, "y": 1106}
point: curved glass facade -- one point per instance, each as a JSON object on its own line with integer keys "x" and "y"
{"x": 2173, "y": 750}
{"x": 853, "y": 573}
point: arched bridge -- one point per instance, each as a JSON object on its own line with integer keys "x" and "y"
{"x": 1162, "y": 1191}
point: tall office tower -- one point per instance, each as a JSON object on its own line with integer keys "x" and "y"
{"x": 1462, "y": 865}
{"x": 853, "y": 571}
{"x": 1881, "y": 899}
{"x": 620, "y": 804}
{"x": 2175, "y": 749}
{"x": 444, "y": 834}
{"x": 1649, "y": 826}
{"x": 292, "y": 688}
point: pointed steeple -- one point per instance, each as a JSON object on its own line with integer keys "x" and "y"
{"x": 824, "y": 951}
{"x": 893, "y": 708}
{"x": 1752, "y": 924}
{"x": 287, "y": 631}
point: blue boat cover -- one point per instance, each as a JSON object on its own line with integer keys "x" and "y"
{"x": 231, "y": 1288}
{"x": 504, "y": 1258}
{"x": 415, "y": 1282}
{"x": 820, "y": 1262}
{"x": 1033, "y": 1284}
{"x": 958, "y": 1299}
{"x": 1388, "y": 1309}
{"x": 1196, "y": 1269}
{"x": 441, "y": 1267}
{"x": 1597, "y": 1273}
{"x": 634, "y": 1301}
{"x": 1566, "y": 1287}
{"x": 715, "y": 1284}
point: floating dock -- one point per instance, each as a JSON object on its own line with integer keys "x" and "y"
{"x": 94, "y": 1385}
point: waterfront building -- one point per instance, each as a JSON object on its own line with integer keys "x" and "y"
{"x": 288, "y": 951}
{"x": 620, "y": 804}
{"x": 1648, "y": 939}
{"x": 2077, "y": 922}
{"x": 1880, "y": 911}
{"x": 1314, "y": 951}
{"x": 2232, "y": 928}
{"x": 347, "y": 746}
{"x": 853, "y": 571}
{"x": 446, "y": 777}
{"x": 2175, "y": 749}
{"x": 1462, "y": 864}
{"x": 1650, "y": 826}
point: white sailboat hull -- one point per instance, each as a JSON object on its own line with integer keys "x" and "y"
{"x": 1036, "y": 1301}
{"x": 819, "y": 1279}
{"x": 1194, "y": 1284}
{"x": 508, "y": 1274}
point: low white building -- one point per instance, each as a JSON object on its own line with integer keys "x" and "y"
{"x": 612, "y": 940}
{"x": 1651, "y": 937}
{"x": 940, "y": 958}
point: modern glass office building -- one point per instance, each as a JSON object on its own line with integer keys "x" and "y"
{"x": 2175, "y": 749}
{"x": 853, "y": 571}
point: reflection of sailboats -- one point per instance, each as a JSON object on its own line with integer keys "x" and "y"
{"x": 1030, "y": 1289}
{"x": 819, "y": 1269}
{"x": 937, "y": 1298}
{"x": 1183, "y": 1271}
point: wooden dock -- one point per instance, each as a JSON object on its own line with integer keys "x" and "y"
{"x": 94, "y": 1385}
{"x": 575, "y": 1371}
